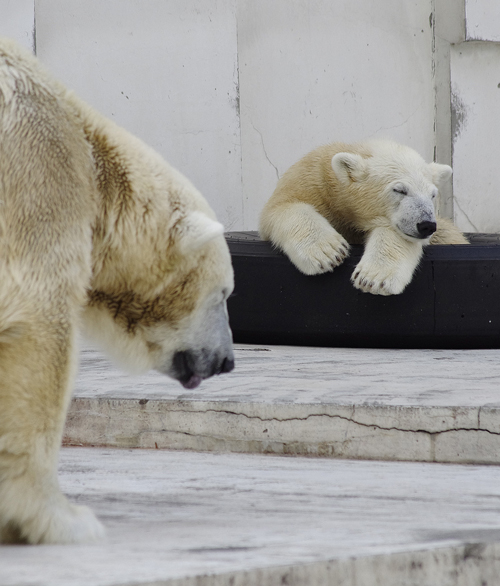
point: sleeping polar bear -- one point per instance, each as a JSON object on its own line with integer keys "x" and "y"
{"x": 379, "y": 193}
{"x": 94, "y": 227}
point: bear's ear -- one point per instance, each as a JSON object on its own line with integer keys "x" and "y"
{"x": 440, "y": 172}
{"x": 195, "y": 230}
{"x": 349, "y": 167}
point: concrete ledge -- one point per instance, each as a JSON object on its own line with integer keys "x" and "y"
{"x": 411, "y": 405}
{"x": 364, "y": 432}
{"x": 203, "y": 519}
{"x": 474, "y": 563}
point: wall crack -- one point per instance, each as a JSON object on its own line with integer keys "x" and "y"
{"x": 457, "y": 203}
{"x": 350, "y": 420}
{"x": 264, "y": 149}
{"x": 94, "y": 412}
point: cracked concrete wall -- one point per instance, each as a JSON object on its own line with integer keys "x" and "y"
{"x": 474, "y": 100}
{"x": 449, "y": 28}
{"x": 315, "y": 72}
{"x": 475, "y": 89}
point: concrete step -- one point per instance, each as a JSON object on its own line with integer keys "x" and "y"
{"x": 412, "y": 405}
{"x": 202, "y": 519}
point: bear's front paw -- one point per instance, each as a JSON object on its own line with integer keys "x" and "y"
{"x": 77, "y": 524}
{"x": 319, "y": 257}
{"x": 379, "y": 280}
{"x": 64, "y": 524}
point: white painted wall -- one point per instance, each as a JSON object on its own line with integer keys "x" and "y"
{"x": 482, "y": 20}
{"x": 476, "y": 136}
{"x": 165, "y": 70}
{"x": 475, "y": 117}
{"x": 17, "y": 21}
{"x": 315, "y": 72}
{"x": 232, "y": 92}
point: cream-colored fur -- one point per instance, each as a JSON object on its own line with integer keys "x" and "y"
{"x": 378, "y": 192}
{"x": 95, "y": 228}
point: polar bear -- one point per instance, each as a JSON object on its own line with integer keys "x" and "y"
{"x": 377, "y": 192}
{"x": 95, "y": 228}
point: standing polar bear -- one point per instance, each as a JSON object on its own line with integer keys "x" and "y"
{"x": 95, "y": 228}
{"x": 378, "y": 192}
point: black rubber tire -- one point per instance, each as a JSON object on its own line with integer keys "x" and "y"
{"x": 453, "y": 300}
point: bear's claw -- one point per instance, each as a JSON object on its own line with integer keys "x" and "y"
{"x": 377, "y": 286}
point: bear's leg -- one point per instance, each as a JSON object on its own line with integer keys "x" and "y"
{"x": 388, "y": 263}
{"x": 37, "y": 364}
{"x": 305, "y": 236}
{"x": 447, "y": 233}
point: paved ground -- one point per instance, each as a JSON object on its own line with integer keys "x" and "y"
{"x": 215, "y": 518}
{"x": 265, "y": 520}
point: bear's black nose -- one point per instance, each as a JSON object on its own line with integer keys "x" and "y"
{"x": 184, "y": 364}
{"x": 426, "y": 229}
{"x": 227, "y": 365}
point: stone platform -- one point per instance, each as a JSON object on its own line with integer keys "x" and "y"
{"x": 412, "y": 405}
{"x": 199, "y": 514}
{"x": 202, "y": 519}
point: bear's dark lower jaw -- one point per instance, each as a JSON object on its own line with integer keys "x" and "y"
{"x": 413, "y": 237}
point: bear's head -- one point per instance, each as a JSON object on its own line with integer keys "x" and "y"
{"x": 398, "y": 184}
{"x": 162, "y": 304}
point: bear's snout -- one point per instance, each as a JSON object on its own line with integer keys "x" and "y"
{"x": 426, "y": 229}
{"x": 191, "y": 367}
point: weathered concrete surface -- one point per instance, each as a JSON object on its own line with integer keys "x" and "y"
{"x": 184, "y": 518}
{"x": 417, "y": 405}
{"x": 475, "y": 120}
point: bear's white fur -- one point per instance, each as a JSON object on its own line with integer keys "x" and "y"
{"x": 95, "y": 228}
{"x": 377, "y": 192}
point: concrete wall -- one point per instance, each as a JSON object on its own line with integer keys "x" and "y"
{"x": 232, "y": 92}
{"x": 475, "y": 100}
{"x": 17, "y": 20}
